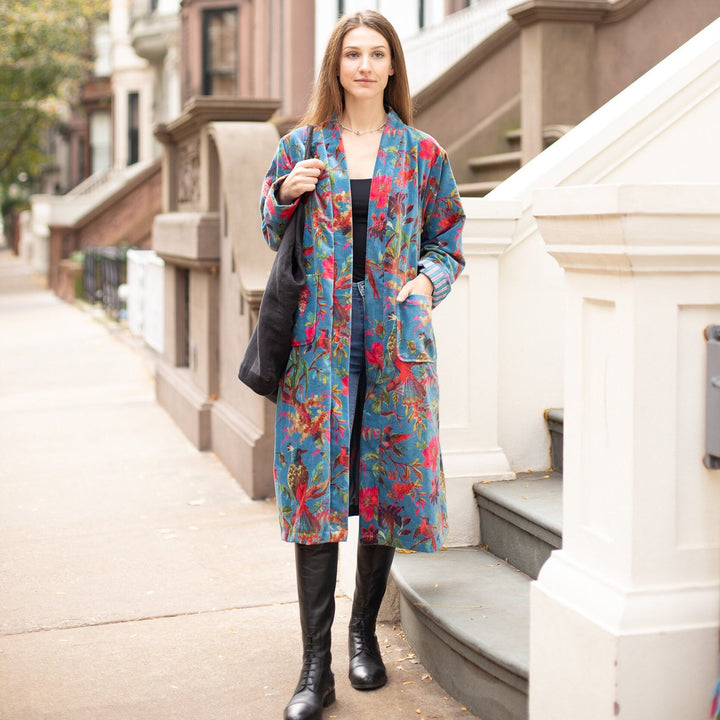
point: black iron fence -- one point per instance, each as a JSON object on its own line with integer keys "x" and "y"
{"x": 104, "y": 271}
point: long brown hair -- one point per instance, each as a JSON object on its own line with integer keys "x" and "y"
{"x": 328, "y": 96}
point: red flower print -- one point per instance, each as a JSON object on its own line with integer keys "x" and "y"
{"x": 328, "y": 266}
{"x": 428, "y": 149}
{"x": 377, "y": 228}
{"x": 304, "y": 298}
{"x": 401, "y": 490}
{"x": 374, "y": 355}
{"x": 380, "y": 189}
{"x": 369, "y": 535}
{"x": 406, "y": 175}
{"x": 368, "y": 502}
{"x": 430, "y": 454}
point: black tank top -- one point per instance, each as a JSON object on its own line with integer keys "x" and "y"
{"x": 360, "y": 193}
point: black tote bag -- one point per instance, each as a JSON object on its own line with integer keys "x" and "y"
{"x": 268, "y": 351}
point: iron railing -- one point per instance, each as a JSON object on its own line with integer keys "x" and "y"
{"x": 104, "y": 271}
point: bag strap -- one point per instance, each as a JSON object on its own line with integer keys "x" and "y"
{"x": 307, "y": 156}
{"x": 308, "y": 143}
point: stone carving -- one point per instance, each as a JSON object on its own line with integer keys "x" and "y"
{"x": 188, "y": 178}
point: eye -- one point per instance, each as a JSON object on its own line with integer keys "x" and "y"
{"x": 351, "y": 54}
{"x": 379, "y": 54}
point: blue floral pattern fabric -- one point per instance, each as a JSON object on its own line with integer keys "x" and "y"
{"x": 415, "y": 222}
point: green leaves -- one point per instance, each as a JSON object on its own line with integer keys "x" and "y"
{"x": 45, "y": 50}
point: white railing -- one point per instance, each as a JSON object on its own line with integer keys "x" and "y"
{"x": 436, "y": 49}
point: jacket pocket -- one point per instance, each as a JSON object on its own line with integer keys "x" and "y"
{"x": 305, "y": 316}
{"x": 415, "y": 336}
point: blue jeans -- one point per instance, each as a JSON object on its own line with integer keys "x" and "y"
{"x": 356, "y": 387}
{"x": 357, "y": 346}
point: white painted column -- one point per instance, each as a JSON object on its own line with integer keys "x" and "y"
{"x": 624, "y": 619}
{"x": 466, "y": 326}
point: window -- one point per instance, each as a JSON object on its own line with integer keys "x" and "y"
{"x": 220, "y": 52}
{"x": 100, "y": 141}
{"x": 133, "y": 154}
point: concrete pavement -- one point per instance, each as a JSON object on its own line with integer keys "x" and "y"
{"x": 137, "y": 580}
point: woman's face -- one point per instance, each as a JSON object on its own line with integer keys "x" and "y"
{"x": 365, "y": 64}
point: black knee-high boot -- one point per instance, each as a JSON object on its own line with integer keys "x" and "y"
{"x": 316, "y": 569}
{"x": 367, "y": 670}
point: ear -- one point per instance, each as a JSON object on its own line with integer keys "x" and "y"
{"x": 392, "y": 70}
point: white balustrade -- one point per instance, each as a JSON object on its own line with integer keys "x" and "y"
{"x": 435, "y": 49}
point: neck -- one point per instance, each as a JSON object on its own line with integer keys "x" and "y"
{"x": 363, "y": 117}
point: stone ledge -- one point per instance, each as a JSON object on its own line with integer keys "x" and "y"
{"x": 188, "y": 235}
{"x": 199, "y": 111}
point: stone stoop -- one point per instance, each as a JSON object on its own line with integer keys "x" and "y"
{"x": 466, "y": 611}
{"x": 521, "y": 519}
{"x": 466, "y": 615}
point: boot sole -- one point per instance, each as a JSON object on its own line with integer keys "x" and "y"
{"x": 365, "y": 686}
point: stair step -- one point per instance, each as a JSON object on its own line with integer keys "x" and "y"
{"x": 467, "y": 616}
{"x": 508, "y": 159}
{"x": 521, "y": 519}
{"x": 477, "y": 189}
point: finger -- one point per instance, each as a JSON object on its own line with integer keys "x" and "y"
{"x": 313, "y": 165}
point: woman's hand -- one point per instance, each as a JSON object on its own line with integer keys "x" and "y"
{"x": 420, "y": 285}
{"x": 302, "y": 178}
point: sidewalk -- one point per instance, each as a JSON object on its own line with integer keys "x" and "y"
{"x": 137, "y": 580}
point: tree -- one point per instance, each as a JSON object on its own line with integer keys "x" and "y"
{"x": 45, "y": 51}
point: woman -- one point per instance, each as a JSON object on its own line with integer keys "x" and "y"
{"x": 357, "y": 415}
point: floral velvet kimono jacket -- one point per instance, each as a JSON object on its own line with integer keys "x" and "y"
{"x": 415, "y": 222}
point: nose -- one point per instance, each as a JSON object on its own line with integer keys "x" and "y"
{"x": 365, "y": 62}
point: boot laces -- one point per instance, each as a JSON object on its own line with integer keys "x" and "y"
{"x": 363, "y": 637}
{"x": 314, "y": 664}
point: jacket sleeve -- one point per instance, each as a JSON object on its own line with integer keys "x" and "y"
{"x": 274, "y": 215}
{"x": 441, "y": 257}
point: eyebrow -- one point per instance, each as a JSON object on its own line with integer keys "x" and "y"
{"x": 357, "y": 47}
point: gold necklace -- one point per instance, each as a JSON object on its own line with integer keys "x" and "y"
{"x": 363, "y": 132}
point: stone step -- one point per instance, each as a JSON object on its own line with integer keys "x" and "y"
{"x": 467, "y": 616}
{"x": 489, "y": 168}
{"x": 507, "y": 159}
{"x": 477, "y": 189}
{"x": 521, "y": 519}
